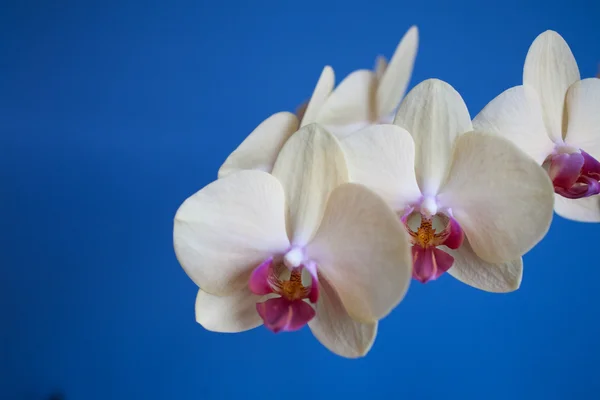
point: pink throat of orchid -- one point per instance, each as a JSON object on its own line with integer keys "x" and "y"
{"x": 574, "y": 174}
{"x": 288, "y": 312}
{"x": 429, "y": 262}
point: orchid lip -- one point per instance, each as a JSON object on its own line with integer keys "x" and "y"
{"x": 575, "y": 174}
{"x": 289, "y": 311}
{"x": 429, "y": 262}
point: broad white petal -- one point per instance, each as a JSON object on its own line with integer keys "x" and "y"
{"x": 228, "y": 314}
{"x": 352, "y": 101}
{"x": 363, "y": 250}
{"x": 582, "y": 210}
{"x": 473, "y": 271}
{"x": 583, "y": 110}
{"x": 259, "y": 150}
{"x": 310, "y": 166}
{"x": 435, "y": 115}
{"x": 229, "y": 227}
{"x": 550, "y": 68}
{"x": 334, "y": 328}
{"x": 380, "y": 66}
{"x": 320, "y": 95}
{"x": 392, "y": 85}
{"x": 500, "y": 196}
{"x": 382, "y": 157}
{"x": 516, "y": 114}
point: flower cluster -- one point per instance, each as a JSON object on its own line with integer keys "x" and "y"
{"x": 323, "y": 217}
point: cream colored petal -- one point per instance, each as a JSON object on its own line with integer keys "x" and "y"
{"x": 550, "y": 69}
{"x": 392, "y": 85}
{"x": 334, "y": 328}
{"x": 363, "y": 250}
{"x": 382, "y": 157}
{"x": 229, "y": 227}
{"x": 380, "y": 66}
{"x": 583, "y": 110}
{"x": 435, "y": 115}
{"x": 473, "y": 271}
{"x": 516, "y": 114}
{"x": 228, "y": 314}
{"x": 501, "y": 197}
{"x": 352, "y": 101}
{"x": 582, "y": 210}
{"x": 320, "y": 95}
{"x": 259, "y": 150}
{"x": 310, "y": 166}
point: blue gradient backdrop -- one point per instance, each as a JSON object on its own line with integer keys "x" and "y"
{"x": 112, "y": 113}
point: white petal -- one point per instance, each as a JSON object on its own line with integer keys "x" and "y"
{"x": 583, "y": 110}
{"x": 516, "y": 114}
{"x": 228, "y": 314}
{"x": 500, "y": 196}
{"x": 473, "y": 271}
{"x": 380, "y": 66}
{"x": 310, "y": 166}
{"x": 320, "y": 95}
{"x": 352, "y": 101}
{"x": 550, "y": 69}
{"x": 259, "y": 150}
{"x": 582, "y": 210}
{"x": 435, "y": 115}
{"x": 334, "y": 328}
{"x": 382, "y": 157}
{"x": 229, "y": 227}
{"x": 395, "y": 80}
{"x": 363, "y": 250}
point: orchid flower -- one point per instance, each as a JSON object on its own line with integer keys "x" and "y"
{"x": 300, "y": 246}
{"x": 473, "y": 203}
{"x": 364, "y": 98}
{"x": 555, "y": 118}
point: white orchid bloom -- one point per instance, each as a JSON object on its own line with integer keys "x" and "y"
{"x": 364, "y": 98}
{"x": 264, "y": 247}
{"x": 442, "y": 179}
{"x": 555, "y": 118}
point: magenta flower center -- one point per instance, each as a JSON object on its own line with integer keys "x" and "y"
{"x": 574, "y": 174}
{"x": 429, "y": 262}
{"x": 289, "y": 311}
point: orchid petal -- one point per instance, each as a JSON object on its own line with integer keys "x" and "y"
{"x": 583, "y": 110}
{"x": 310, "y": 166}
{"x": 352, "y": 101}
{"x": 516, "y": 114}
{"x": 394, "y": 81}
{"x": 382, "y": 157}
{"x": 228, "y": 314}
{"x": 550, "y": 68}
{"x": 380, "y": 67}
{"x": 320, "y": 95}
{"x": 259, "y": 150}
{"x": 491, "y": 277}
{"x": 363, "y": 250}
{"x": 336, "y": 330}
{"x": 435, "y": 115}
{"x": 225, "y": 230}
{"x": 582, "y": 210}
{"x": 501, "y": 197}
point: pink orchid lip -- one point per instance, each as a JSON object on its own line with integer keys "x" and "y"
{"x": 429, "y": 262}
{"x": 575, "y": 174}
{"x": 290, "y": 311}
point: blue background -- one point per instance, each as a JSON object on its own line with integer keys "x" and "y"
{"x": 112, "y": 113}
